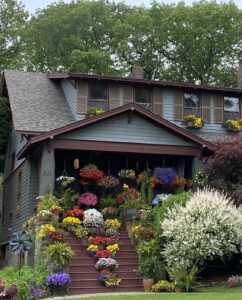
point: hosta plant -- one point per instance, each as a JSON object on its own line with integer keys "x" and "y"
{"x": 59, "y": 253}
{"x": 208, "y": 227}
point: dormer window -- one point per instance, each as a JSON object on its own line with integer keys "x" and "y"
{"x": 192, "y": 105}
{"x": 231, "y": 108}
{"x": 143, "y": 98}
{"x": 98, "y": 96}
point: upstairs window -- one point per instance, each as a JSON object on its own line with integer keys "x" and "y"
{"x": 192, "y": 105}
{"x": 143, "y": 98}
{"x": 231, "y": 108}
{"x": 98, "y": 96}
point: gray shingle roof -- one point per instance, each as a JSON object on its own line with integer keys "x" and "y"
{"x": 37, "y": 103}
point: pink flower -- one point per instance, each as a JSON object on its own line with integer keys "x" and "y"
{"x": 4, "y": 281}
{"x": 87, "y": 199}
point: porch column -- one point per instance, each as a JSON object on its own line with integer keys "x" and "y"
{"x": 197, "y": 165}
{"x": 47, "y": 172}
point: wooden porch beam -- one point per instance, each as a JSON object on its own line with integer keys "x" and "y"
{"x": 70, "y": 144}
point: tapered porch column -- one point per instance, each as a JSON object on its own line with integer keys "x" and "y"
{"x": 47, "y": 172}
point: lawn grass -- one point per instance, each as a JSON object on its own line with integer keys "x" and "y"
{"x": 218, "y": 292}
{"x": 170, "y": 296}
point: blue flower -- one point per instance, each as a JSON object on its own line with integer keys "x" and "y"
{"x": 58, "y": 279}
{"x": 165, "y": 174}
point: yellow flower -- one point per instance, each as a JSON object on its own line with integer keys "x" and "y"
{"x": 125, "y": 187}
{"x": 112, "y": 223}
{"x": 113, "y": 248}
{"x": 190, "y": 118}
{"x": 45, "y": 229}
{"x": 234, "y": 125}
{"x": 70, "y": 221}
{"x": 198, "y": 123}
{"x": 92, "y": 248}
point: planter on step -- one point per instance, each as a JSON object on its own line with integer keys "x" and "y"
{"x": 147, "y": 283}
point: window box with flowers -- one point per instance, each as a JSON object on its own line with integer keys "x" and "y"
{"x": 193, "y": 122}
{"x": 233, "y": 125}
{"x": 93, "y": 111}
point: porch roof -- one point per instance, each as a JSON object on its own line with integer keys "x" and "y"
{"x": 130, "y": 109}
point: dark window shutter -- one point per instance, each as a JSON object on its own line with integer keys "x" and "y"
{"x": 218, "y": 109}
{"x": 178, "y": 105}
{"x": 157, "y": 102}
{"x": 240, "y": 107}
{"x": 128, "y": 93}
{"x": 206, "y": 107}
{"x": 114, "y": 96}
{"x": 82, "y": 97}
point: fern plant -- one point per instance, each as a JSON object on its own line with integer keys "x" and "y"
{"x": 59, "y": 253}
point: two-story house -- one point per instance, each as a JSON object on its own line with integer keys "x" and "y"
{"x": 142, "y": 126}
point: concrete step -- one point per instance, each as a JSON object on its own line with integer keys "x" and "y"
{"x": 97, "y": 283}
{"x": 119, "y": 289}
{"x": 90, "y": 267}
{"x": 94, "y": 274}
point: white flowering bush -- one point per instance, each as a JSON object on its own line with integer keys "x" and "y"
{"x": 93, "y": 218}
{"x": 209, "y": 226}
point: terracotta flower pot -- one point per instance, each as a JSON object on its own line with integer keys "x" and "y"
{"x": 190, "y": 124}
{"x": 178, "y": 290}
{"x": 147, "y": 283}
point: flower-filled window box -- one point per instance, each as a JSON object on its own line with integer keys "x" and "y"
{"x": 233, "y": 125}
{"x": 193, "y": 122}
{"x": 93, "y": 111}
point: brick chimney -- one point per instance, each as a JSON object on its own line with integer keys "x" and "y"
{"x": 240, "y": 74}
{"x": 137, "y": 72}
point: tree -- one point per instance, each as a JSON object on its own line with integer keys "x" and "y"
{"x": 5, "y": 128}
{"x": 12, "y": 20}
{"x": 224, "y": 168}
{"x": 203, "y": 41}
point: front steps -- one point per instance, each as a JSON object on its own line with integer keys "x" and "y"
{"x": 84, "y": 274}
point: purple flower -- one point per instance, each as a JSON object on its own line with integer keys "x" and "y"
{"x": 165, "y": 174}
{"x": 87, "y": 199}
{"x": 132, "y": 211}
{"x": 58, "y": 279}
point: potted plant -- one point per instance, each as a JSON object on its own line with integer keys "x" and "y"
{"x": 179, "y": 285}
{"x": 58, "y": 283}
{"x": 147, "y": 270}
{"x": 45, "y": 230}
{"x": 70, "y": 223}
{"x": 106, "y": 264}
{"x": 92, "y": 249}
{"x": 7, "y": 290}
{"x": 93, "y": 111}
{"x": 44, "y": 216}
{"x": 233, "y": 281}
{"x": 59, "y": 253}
{"x": 112, "y": 280}
{"x": 190, "y": 278}
{"x": 65, "y": 180}
{"x": 233, "y": 125}
{"x": 193, "y": 122}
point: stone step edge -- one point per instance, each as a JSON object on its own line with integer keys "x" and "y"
{"x": 92, "y": 279}
{"x": 98, "y": 287}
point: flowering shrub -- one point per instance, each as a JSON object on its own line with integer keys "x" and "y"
{"x": 106, "y": 263}
{"x": 7, "y": 290}
{"x": 93, "y": 218}
{"x": 75, "y": 213}
{"x": 127, "y": 195}
{"x": 233, "y": 281}
{"x": 165, "y": 174}
{"x": 91, "y": 172}
{"x": 102, "y": 254}
{"x": 109, "y": 182}
{"x": 162, "y": 286}
{"x": 112, "y": 223}
{"x": 127, "y": 174}
{"x": 87, "y": 199}
{"x": 70, "y": 221}
{"x": 45, "y": 229}
{"x": 209, "y": 226}
{"x": 59, "y": 279}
